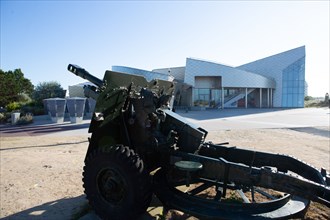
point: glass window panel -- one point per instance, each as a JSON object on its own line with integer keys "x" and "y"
{"x": 284, "y": 101}
{"x": 295, "y": 83}
{"x": 290, "y": 75}
{"x": 290, "y": 83}
{"x": 289, "y": 100}
{"x": 295, "y": 67}
{"x": 285, "y": 84}
{"x": 296, "y": 75}
{"x": 203, "y": 91}
{"x": 195, "y": 96}
{"x": 285, "y": 90}
{"x": 298, "y": 63}
{"x": 295, "y": 99}
{"x": 301, "y": 75}
{"x": 195, "y": 93}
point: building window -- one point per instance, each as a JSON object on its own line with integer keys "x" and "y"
{"x": 293, "y": 84}
{"x": 207, "y": 92}
{"x": 207, "y": 97}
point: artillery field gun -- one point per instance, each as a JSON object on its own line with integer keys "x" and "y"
{"x": 139, "y": 146}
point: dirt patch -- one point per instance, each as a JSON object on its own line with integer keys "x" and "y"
{"x": 41, "y": 175}
{"x": 311, "y": 148}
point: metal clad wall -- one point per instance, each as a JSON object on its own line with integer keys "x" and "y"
{"x": 176, "y": 72}
{"x": 231, "y": 77}
{"x": 203, "y": 82}
{"x": 273, "y": 66}
{"x": 149, "y": 75}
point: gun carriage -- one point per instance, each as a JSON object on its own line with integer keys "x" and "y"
{"x": 139, "y": 147}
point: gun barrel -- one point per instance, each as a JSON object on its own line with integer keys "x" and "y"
{"x": 79, "y": 71}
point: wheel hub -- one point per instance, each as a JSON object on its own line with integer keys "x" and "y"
{"x": 111, "y": 186}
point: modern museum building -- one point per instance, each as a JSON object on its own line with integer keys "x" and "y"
{"x": 274, "y": 81}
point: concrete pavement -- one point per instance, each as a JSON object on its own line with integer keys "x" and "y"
{"x": 230, "y": 119}
{"x": 211, "y": 120}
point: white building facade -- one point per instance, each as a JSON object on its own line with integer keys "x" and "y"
{"x": 274, "y": 81}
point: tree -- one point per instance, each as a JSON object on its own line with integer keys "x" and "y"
{"x": 12, "y": 84}
{"x": 47, "y": 90}
{"x": 307, "y": 98}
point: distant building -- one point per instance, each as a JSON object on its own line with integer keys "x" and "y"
{"x": 274, "y": 81}
{"x": 78, "y": 90}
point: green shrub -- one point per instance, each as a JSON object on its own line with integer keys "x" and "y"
{"x": 35, "y": 110}
{"x": 3, "y": 117}
{"x": 47, "y": 90}
{"x": 23, "y": 98}
{"x": 308, "y": 98}
{"x": 26, "y": 119}
{"x": 315, "y": 103}
{"x": 13, "y": 106}
{"x": 6, "y": 118}
{"x": 38, "y": 111}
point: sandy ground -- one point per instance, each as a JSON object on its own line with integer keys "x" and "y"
{"x": 41, "y": 175}
{"x": 311, "y": 145}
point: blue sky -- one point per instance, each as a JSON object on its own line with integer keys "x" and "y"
{"x": 43, "y": 37}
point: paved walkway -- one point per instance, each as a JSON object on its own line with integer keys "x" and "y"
{"x": 44, "y": 127}
{"x": 229, "y": 119}
{"x": 211, "y": 120}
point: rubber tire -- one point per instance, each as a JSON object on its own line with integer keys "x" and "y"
{"x": 138, "y": 190}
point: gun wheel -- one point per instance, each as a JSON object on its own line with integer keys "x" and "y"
{"x": 116, "y": 184}
{"x": 206, "y": 199}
